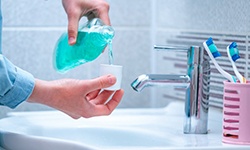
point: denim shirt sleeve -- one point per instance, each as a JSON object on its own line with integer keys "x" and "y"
{"x": 16, "y": 85}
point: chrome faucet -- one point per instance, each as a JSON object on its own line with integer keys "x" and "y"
{"x": 196, "y": 82}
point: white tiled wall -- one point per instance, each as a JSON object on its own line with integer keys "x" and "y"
{"x": 31, "y": 28}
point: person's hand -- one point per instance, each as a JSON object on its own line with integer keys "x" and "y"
{"x": 75, "y": 9}
{"x": 78, "y": 98}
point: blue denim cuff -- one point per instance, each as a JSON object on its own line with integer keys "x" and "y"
{"x": 21, "y": 90}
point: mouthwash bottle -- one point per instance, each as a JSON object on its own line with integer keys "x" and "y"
{"x": 91, "y": 40}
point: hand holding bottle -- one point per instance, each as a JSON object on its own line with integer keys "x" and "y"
{"x": 93, "y": 37}
{"x": 76, "y": 9}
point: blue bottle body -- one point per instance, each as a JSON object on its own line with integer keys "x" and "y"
{"x": 91, "y": 40}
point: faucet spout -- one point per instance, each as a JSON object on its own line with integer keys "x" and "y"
{"x": 146, "y": 80}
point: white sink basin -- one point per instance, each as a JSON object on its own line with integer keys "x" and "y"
{"x": 124, "y": 129}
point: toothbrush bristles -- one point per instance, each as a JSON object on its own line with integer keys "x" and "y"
{"x": 234, "y": 52}
{"x": 213, "y": 48}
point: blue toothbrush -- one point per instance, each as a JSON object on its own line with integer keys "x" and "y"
{"x": 233, "y": 55}
{"x": 213, "y": 52}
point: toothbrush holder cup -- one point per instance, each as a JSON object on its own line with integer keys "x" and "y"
{"x": 236, "y": 120}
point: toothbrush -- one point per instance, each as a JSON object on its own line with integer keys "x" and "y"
{"x": 213, "y": 52}
{"x": 233, "y": 55}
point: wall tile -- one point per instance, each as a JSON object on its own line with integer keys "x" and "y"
{"x": 208, "y": 15}
{"x": 130, "y": 13}
{"x": 24, "y": 13}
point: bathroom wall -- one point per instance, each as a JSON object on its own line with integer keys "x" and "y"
{"x": 31, "y": 29}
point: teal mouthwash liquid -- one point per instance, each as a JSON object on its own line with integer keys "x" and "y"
{"x": 110, "y": 53}
{"x": 90, "y": 43}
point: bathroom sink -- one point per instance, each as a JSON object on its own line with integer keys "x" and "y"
{"x": 158, "y": 128}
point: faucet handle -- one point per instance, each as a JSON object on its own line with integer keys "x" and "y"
{"x": 172, "y": 48}
{"x": 195, "y": 54}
